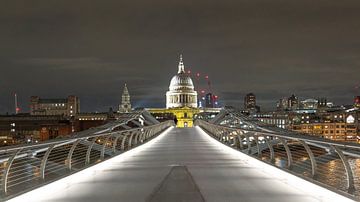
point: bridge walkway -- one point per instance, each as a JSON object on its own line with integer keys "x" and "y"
{"x": 182, "y": 164}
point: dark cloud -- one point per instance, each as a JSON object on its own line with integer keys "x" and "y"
{"x": 272, "y": 48}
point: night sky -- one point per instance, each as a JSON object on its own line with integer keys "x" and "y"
{"x": 271, "y": 48}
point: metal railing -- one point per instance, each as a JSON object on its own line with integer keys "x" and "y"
{"x": 331, "y": 164}
{"x": 26, "y": 167}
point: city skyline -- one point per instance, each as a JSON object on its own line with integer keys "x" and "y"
{"x": 91, "y": 53}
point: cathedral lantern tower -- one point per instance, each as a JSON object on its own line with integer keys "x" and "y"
{"x": 125, "y": 105}
{"x": 181, "y": 90}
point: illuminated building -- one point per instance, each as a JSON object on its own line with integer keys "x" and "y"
{"x": 184, "y": 115}
{"x": 66, "y": 107}
{"x": 288, "y": 104}
{"x": 209, "y": 100}
{"x": 293, "y": 102}
{"x": 339, "y": 125}
{"x": 181, "y": 100}
{"x": 309, "y": 104}
{"x": 26, "y": 128}
{"x": 125, "y": 106}
{"x": 181, "y": 90}
{"x": 250, "y": 103}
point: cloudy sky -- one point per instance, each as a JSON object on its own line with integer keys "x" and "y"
{"x": 91, "y": 48}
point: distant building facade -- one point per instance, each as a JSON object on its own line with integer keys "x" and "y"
{"x": 209, "y": 100}
{"x": 339, "y": 124}
{"x": 26, "y": 128}
{"x": 293, "y": 102}
{"x": 69, "y": 106}
{"x": 125, "y": 106}
{"x": 250, "y": 103}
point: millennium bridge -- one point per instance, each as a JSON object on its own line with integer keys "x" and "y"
{"x": 136, "y": 158}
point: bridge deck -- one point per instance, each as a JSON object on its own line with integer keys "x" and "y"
{"x": 179, "y": 165}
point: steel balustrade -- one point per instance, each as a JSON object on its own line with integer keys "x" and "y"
{"x": 299, "y": 151}
{"x": 30, "y": 166}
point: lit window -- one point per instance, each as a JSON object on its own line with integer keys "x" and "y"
{"x": 350, "y": 119}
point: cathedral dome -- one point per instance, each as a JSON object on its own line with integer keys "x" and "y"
{"x": 181, "y": 81}
{"x": 181, "y": 90}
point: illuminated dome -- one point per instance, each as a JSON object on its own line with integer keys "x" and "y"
{"x": 181, "y": 81}
{"x": 181, "y": 90}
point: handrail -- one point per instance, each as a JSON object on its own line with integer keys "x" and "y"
{"x": 305, "y": 155}
{"x": 296, "y": 136}
{"x": 30, "y": 166}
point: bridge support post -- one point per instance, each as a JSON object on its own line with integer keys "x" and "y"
{"x": 131, "y": 139}
{"x": 44, "y": 161}
{"x": 248, "y": 143}
{"x": 71, "y": 151}
{"x": 256, "y": 138}
{"x": 102, "y": 154}
{"x": 288, "y": 153}
{"x": 123, "y": 142}
{"x": 137, "y": 137}
{"x": 349, "y": 174}
{"x": 7, "y": 170}
{"x": 312, "y": 158}
{"x": 88, "y": 152}
{"x": 115, "y": 143}
{"x": 270, "y": 146}
{"x": 241, "y": 146}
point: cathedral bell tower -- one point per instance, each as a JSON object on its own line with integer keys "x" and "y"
{"x": 125, "y": 106}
